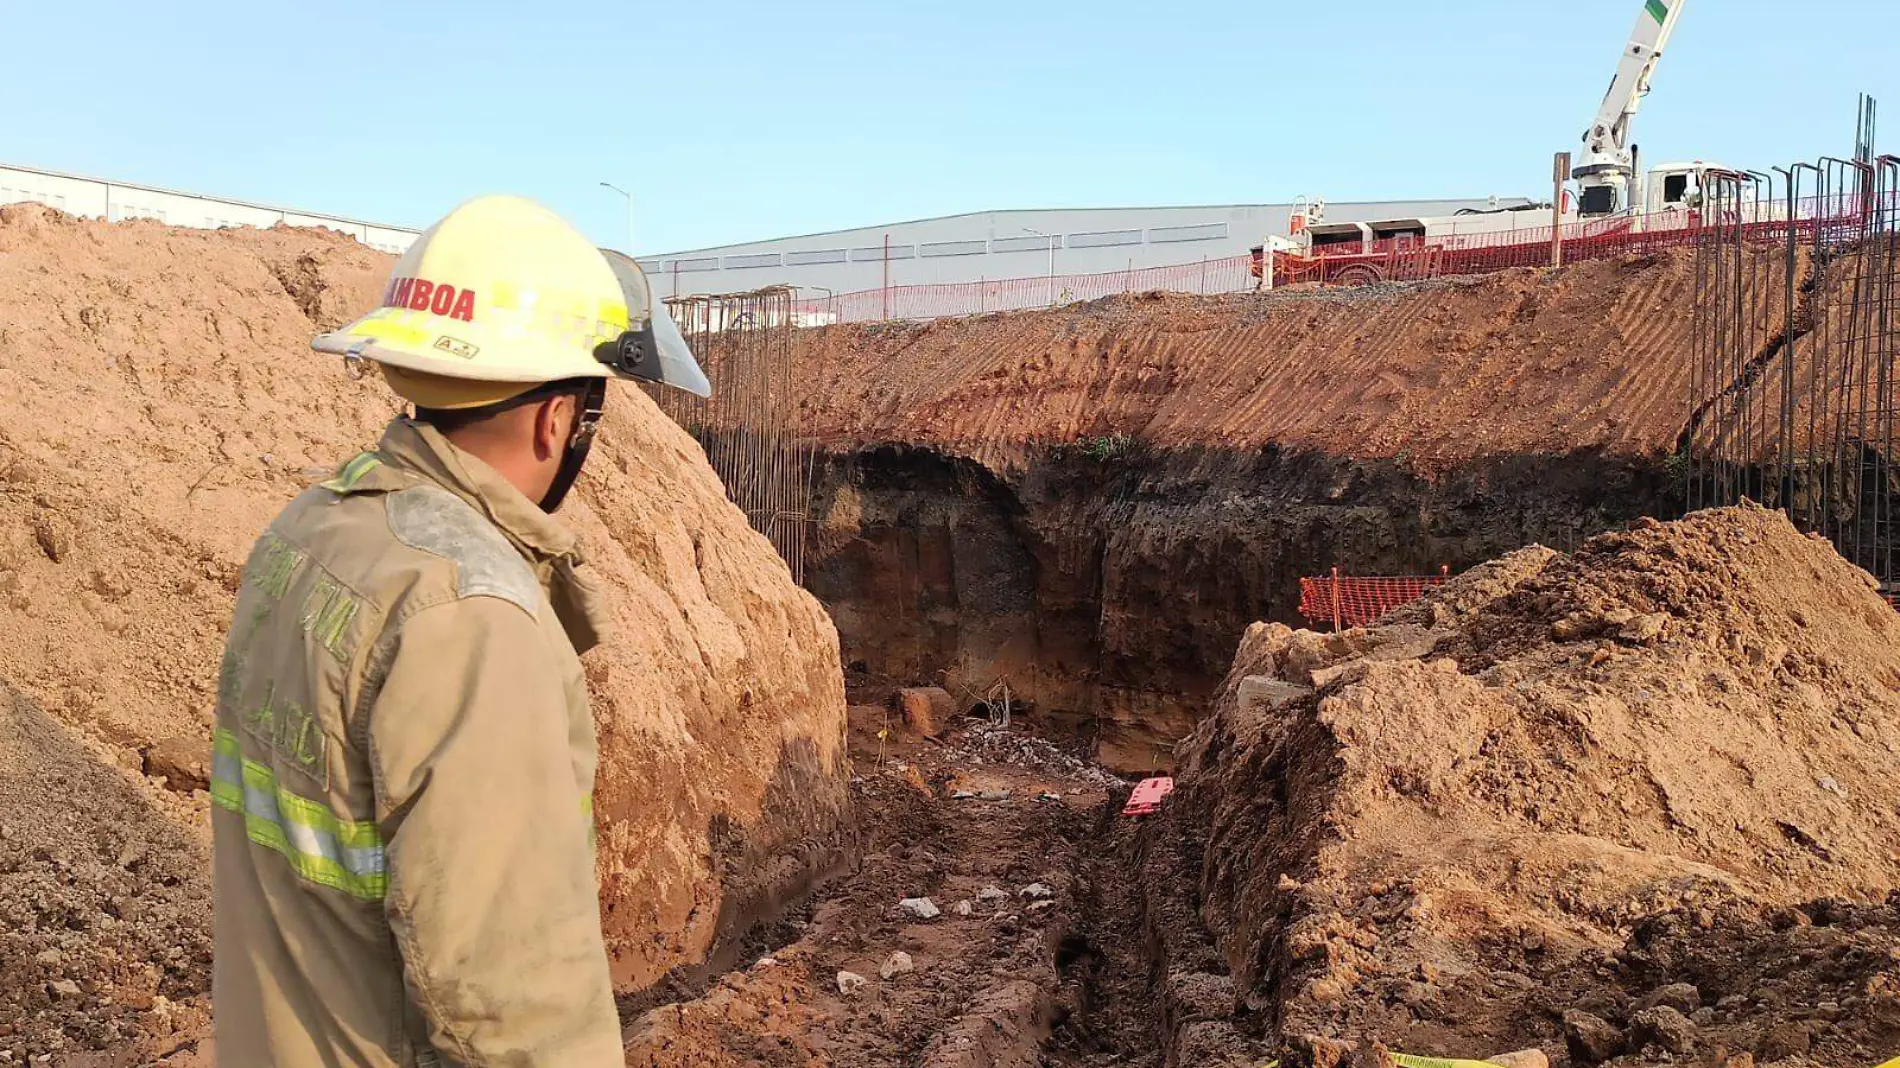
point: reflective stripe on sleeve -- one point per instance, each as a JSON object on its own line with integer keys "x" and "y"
{"x": 351, "y": 473}
{"x": 344, "y": 855}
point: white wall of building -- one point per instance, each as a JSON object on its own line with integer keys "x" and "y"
{"x": 114, "y": 201}
{"x": 1004, "y": 244}
{"x": 952, "y": 249}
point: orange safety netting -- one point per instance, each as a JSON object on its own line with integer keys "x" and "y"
{"x": 1228, "y": 274}
{"x": 1356, "y": 600}
{"x": 1406, "y": 257}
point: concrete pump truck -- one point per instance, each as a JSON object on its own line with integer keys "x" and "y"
{"x": 1614, "y": 200}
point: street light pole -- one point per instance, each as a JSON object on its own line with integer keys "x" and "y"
{"x": 1051, "y": 238}
{"x": 629, "y": 196}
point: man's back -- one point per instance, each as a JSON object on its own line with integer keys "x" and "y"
{"x": 402, "y": 769}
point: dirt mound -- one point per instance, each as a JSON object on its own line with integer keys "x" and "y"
{"x": 1443, "y": 831}
{"x": 161, "y": 404}
{"x": 105, "y": 925}
{"x": 1595, "y": 355}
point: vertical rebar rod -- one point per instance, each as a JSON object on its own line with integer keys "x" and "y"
{"x": 1874, "y": 481}
{"x": 1755, "y": 345}
{"x": 1784, "y": 462}
{"x": 1698, "y": 340}
{"x": 1811, "y": 494}
{"x": 1880, "y": 322}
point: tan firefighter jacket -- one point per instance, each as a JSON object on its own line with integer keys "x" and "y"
{"x": 402, "y": 777}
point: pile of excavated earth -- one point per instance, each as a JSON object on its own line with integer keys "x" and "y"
{"x": 160, "y": 404}
{"x": 1624, "y": 805}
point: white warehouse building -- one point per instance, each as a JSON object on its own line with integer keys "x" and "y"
{"x": 992, "y": 245}
{"x": 979, "y": 247}
{"x": 114, "y": 201}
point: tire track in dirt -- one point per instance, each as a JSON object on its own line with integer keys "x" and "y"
{"x": 1593, "y": 356}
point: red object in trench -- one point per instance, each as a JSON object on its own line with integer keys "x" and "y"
{"x": 1148, "y": 795}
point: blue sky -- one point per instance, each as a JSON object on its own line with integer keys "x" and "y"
{"x": 736, "y": 121}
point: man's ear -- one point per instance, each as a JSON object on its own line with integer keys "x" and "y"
{"x": 551, "y": 430}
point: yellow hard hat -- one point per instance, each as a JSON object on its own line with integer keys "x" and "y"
{"x": 503, "y": 295}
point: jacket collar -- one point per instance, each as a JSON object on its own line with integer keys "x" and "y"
{"x": 422, "y": 449}
{"x": 550, "y": 548}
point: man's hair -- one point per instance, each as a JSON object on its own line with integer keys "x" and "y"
{"x": 451, "y": 420}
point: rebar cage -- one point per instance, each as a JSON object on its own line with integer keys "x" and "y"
{"x": 1793, "y": 383}
{"x": 748, "y": 426}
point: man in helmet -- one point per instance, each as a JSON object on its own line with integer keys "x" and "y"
{"x": 404, "y": 758}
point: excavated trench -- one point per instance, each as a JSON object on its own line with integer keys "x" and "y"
{"x": 1107, "y": 583}
{"x": 1445, "y": 950}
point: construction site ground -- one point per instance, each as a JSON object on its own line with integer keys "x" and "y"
{"x": 1018, "y": 980}
{"x": 1001, "y": 832}
{"x": 1625, "y": 803}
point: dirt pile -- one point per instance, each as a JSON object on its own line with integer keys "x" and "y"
{"x": 161, "y": 404}
{"x": 105, "y": 901}
{"x": 1557, "y": 786}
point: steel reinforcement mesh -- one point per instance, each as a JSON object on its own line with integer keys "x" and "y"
{"x": 1794, "y": 392}
{"x": 748, "y": 426}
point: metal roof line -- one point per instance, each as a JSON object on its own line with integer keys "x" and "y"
{"x": 206, "y": 197}
{"x": 1047, "y": 211}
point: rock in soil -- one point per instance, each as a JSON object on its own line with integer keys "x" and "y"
{"x": 1682, "y": 997}
{"x": 1663, "y": 1026}
{"x": 928, "y": 710}
{"x": 1591, "y": 1038}
{"x": 921, "y": 908}
{"x": 184, "y": 763}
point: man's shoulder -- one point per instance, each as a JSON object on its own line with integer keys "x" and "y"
{"x": 430, "y": 519}
{"x": 408, "y": 546}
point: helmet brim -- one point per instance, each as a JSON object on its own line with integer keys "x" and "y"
{"x": 449, "y": 394}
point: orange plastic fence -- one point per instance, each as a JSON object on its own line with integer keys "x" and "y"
{"x": 1404, "y": 258}
{"x": 1229, "y": 274}
{"x": 1342, "y": 601}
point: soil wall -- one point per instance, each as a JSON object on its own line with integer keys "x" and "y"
{"x": 159, "y": 404}
{"x": 1434, "y": 374}
{"x": 1107, "y": 587}
{"x": 1093, "y": 502}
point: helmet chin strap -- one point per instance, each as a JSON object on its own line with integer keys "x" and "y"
{"x": 588, "y": 404}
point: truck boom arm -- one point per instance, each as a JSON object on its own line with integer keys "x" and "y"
{"x": 1606, "y": 147}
